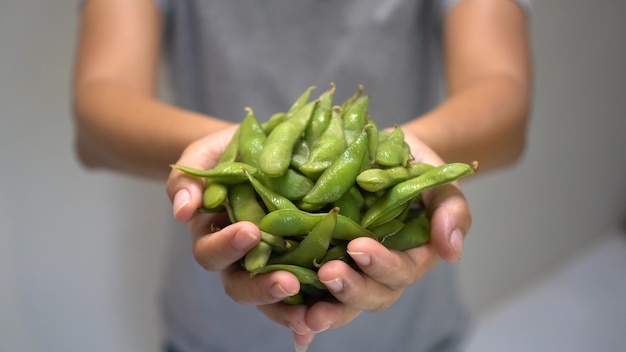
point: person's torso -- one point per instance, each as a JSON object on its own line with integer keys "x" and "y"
{"x": 226, "y": 55}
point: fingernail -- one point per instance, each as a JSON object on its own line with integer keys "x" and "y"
{"x": 244, "y": 239}
{"x": 278, "y": 291}
{"x": 456, "y": 241}
{"x": 361, "y": 258}
{"x": 301, "y": 348}
{"x": 322, "y": 329}
{"x": 335, "y": 285}
{"x": 300, "y": 331}
{"x": 181, "y": 198}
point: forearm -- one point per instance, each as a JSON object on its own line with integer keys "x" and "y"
{"x": 489, "y": 80}
{"x": 485, "y": 121}
{"x": 124, "y": 130}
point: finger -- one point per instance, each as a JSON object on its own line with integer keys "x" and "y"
{"x": 185, "y": 191}
{"x": 260, "y": 289}
{"x": 391, "y": 268}
{"x": 289, "y": 316}
{"x": 450, "y": 220}
{"x": 356, "y": 290}
{"x": 216, "y": 249}
{"x": 323, "y": 316}
{"x": 302, "y": 341}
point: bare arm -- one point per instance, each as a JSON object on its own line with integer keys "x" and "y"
{"x": 119, "y": 123}
{"x": 488, "y": 71}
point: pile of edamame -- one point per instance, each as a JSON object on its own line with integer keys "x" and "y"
{"x": 316, "y": 176}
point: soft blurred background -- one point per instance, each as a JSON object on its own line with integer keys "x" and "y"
{"x": 544, "y": 266}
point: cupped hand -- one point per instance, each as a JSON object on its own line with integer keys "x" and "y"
{"x": 386, "y": 274}
{"x": 218, "y": 246}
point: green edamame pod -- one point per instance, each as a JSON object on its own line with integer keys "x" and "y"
{"x": 348, "y": 102}
{"x": 300, "y": 154}
{"x": 372, "y": 136}
{"x": 348, "y": 206}
{"x": 293, "y": 222}
{"x": 393, "y": 150}
{"x": 387, "y": 229}
{"x": 374, "y": 180}
{"x": 243, "y": 204}
{"x": 278, "y": 244}
{"x": 301, "y": 101}
{"x": 232, "y": 149}
{"x": 415, "y": 233}
{"x": 304, "y": 275}
{"x": 329, "y": 146}
{"x": 389, "y": 215}
{"x": 257, "y": 257}
{"x": 251, "y": 139}
{"x": 273, "y": 121}
{"x": 355, "y": 118}
{"x": 298, "y": 298}
{"x": 340, "y": 176}
{"x": 321, "y": 116}
{"x": 357, "y": 196}
{"x": 313, "y": 247}
{"x": 275, "y": 157}
{"x": 416, "y": 169}
{"x": 377, "y": 179}
{"x": 404, "y": 191}
{"x": 292, "y": 185}
{"x": 272, "y": 200}
{"x": 214, "y": 195}
{"x": 226, "y": 173}
{"x": 337, "y": 252}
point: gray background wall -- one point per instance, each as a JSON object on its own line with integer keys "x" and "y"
{"x": 81, "y": 252}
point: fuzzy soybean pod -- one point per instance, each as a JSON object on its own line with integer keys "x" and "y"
{"x": 214, "y": 195}
{"x": 257, "y": 257}
{"x": 226, "y": 173}
{"x": 275, "y": 158}
{"x": 405, "y": 191}
{"x": 349, "y": 206}
{"x": 387, "y": 229}
{"x": 301, "y": 101}
{"x": 292, "y": 185}
{"x": 355, "y": 118}
{"x": 272, "y": 200}
{"x": 377, "y": 179}
{"x": 348, "y": 102}
{"x": 416, "y": 232}
{"x": 329, "y": 146}
{"x": 273, "y": 121}
{"x": 300, "y": 153}
{"x": 340, "y": 176}
{"x": 372, "y": 136}
{"x": 251, "y": 139}
{"x": 390, "y": 214}
{"x": 418, "y": 168}
{"x": 304, "y": 275}
{"x": 374, "y": 180}
{"x": 278, "y": 244}
{"x": 231, "y": 152}
{"x": 393, "y": 150}
{"x": 313, "y": 247}
{"x": 293, "y": 222}
{"x": 321, "y": 116}
{"x": 337, "y": 252}
{"x": 243, "y": 204}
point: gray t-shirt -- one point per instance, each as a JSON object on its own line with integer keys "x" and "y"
{"x": 225, "y": 55}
